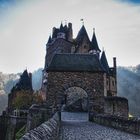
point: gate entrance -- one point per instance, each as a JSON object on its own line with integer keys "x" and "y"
{"x": 76, "y": 99}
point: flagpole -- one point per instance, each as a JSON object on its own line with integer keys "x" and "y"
{"x": 82, "y": 20}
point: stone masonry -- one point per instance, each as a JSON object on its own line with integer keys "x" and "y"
{"x": 87, "y": 81}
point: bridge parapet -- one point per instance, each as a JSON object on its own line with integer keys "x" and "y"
{"x": 46, "y": 131}
{"x": 129, "y": 125}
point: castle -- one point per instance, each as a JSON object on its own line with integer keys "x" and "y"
{"x": 77, "y": 76}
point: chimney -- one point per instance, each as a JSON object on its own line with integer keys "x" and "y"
{"x": 115, "y": 71}
{"x": 70, "y": 32}
{"x": 70, "y": 25}
{"x": 114, "y": 62}
{"x": 115, "y": 66}
{"x": 53, "y": 30}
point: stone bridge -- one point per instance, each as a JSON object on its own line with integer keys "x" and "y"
{"x": 75, "y": 126}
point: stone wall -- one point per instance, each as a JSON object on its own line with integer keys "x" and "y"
{"x": 117, "y": 106}
{"x": 13, "y": 125}
{"x": 48, "y": 130}
{"x": 37, "y": 115}
{"x": 124, "y": 124}
{"x": 111, "y": 85}
{"x": 92, "y": 83}
{"x": 3, "y": 126}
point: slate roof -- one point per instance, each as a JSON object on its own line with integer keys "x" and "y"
{"x": 75, "y": 62}
{"x": 81, "y": 35}
{"x": 95, "y": 43}
{"x": 49, "y": 40}
{"x": 104, "y": 62}
{"x": 24, "y": 82}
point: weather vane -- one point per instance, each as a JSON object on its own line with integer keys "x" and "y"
{"x": 82, "y": 20}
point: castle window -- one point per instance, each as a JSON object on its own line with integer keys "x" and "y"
{"x": 113, "y": 83}
{"x": 61, "y": 35}
{"x": 85, "y": 46}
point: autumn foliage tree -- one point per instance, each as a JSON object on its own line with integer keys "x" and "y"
{"x": 25, "y": 98}
{"x": 37, "y": 98}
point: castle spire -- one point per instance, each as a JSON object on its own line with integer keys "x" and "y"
{"x": 49, "y": 40}
{"x": 82, "y": 20}
{"x": 94, "y": 42}
{"x": 104, "y": 62}
{"x": 61, "y": 27}
{"x": 81, "y": 35}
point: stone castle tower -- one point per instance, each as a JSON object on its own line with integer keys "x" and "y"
{"x": 77, "y": 74}
{"x": 24, "y": 84}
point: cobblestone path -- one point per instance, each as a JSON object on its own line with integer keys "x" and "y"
{"x": 75, "y": 126}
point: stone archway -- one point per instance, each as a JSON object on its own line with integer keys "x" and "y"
{"x": 61, "y": 82}
{"x": 76, "y": 99}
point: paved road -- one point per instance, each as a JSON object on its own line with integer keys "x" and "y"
{"x": 75, "y": 126}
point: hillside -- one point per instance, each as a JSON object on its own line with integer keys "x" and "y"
{"x": 129, "y": 87}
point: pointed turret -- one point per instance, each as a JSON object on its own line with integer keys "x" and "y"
{"x": 81, "y": 35}
{"x": 95, "y": 43}
{"x": 55, "y": 32}
{"x": 49, "y": 40}
{"x": 24, "y": 83}
{"x": 104, "y": 62}
{"x": 65, "y": 27}
{"x": 70, "y": 32}
{"x": 61, "y": 27}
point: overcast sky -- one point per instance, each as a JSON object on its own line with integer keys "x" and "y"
{"x": 25, "y": 26}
